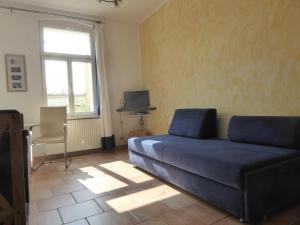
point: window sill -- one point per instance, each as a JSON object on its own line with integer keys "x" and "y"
{"x": 85, "y": 117}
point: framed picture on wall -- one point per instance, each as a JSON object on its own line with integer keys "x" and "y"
{"x": 16, "y": 73}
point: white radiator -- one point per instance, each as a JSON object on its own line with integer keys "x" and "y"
{"x": 84, "y": 134}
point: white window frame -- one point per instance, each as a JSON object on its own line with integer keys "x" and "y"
{"x": 69, "y": 58}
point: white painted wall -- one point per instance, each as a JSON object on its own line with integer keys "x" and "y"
{"x": 19, "y": 34}
{"x": 124, "y": 69}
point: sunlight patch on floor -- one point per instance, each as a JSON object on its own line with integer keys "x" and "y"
{"x": 92, "y": 171}
{"x": 140, "y": 199}
{"x": 127, "y": 171}
{"x": 102, "y": 184}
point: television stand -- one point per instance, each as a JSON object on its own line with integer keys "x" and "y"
{"x": 138, "y": 133}
{"x": 141, "y": 112}
{"x": 141, "y": 115}
{"x": 142, "y": 132}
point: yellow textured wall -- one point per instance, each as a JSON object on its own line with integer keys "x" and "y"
{"x": 240, "y": 56}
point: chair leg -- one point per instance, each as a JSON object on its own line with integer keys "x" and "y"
{"x": 66, "y": 156}
{"x": 67, "y": 161}
{"x": 34, "y": 168}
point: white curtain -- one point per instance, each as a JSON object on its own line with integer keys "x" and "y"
{"x": 103, "y": 87}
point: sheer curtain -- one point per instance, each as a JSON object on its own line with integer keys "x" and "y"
{"x": 107, "y": 138}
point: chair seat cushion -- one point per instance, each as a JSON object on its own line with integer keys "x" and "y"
{"x": 216, "y": 159}
{"x": 48, "y": 140}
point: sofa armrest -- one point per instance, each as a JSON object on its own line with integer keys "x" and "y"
{"x": 272, "y": 188}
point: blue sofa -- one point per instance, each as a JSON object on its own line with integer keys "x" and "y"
{"x": 256, "y": 172}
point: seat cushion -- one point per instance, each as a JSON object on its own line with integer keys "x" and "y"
{"x": 194, "y": 123}
{"x": 219, "y": 160}
{"x": 147, "y": 146}
{"x": 48, "y": 140}
{"x": 266, "y": 130}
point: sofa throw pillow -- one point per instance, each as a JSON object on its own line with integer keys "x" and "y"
{"x": 277, "y": 131}
{"x": 194, "y": 123}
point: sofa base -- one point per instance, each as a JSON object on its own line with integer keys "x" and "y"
{"x": 272, "y": 189}
{"x": 222, "y": 196}
{"x": 267, "y": 196}
{"x": 268, "y": 190}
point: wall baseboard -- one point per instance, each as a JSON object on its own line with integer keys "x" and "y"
{"x": 77, "y": 153}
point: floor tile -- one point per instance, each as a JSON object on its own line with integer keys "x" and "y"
{"x": 193, "y": 214}
{"x": 151, "y": 194}
{"x": 228, "y": 221}
{"x": 210, "y": 209}
{"x": 151, "y": 211}
{"x": 120, "y": 204}
{"x": 179, "y": 201}
{"x": 79, "y": 211}
{"x": 128, "y": 196}
{"x": 107, "y": 202}
{"x": 103, "y": 185}
{"x": 78, "y": 222}
{"x": 54, "y": 202}
{"x": 84, "y": 195}
{"x": 155, "y": 221}
{"x": 92, "y": 171}
{"x": 45, "y": 218}
{"x": 67, "y": 188}
{"x": 127, "y": 171}
{"x": 36, "y": 194}
{"x": 47, "y": 183}
{"x": 112, "y": 218}
{"x": 32, "y": 207}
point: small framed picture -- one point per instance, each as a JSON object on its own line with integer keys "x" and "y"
{"x": 16, "y": 73}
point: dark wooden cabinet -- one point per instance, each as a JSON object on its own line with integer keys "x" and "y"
{"x": 13, "y": 174}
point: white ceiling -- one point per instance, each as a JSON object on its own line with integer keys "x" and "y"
{"x": 134, "y": 11}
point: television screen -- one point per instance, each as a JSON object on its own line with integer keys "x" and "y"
{"x": 136, "y": 99}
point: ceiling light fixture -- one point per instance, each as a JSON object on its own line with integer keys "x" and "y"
{"x": 116, "y": 2}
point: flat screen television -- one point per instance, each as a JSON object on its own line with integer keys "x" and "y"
{"x": 136, "y": 100}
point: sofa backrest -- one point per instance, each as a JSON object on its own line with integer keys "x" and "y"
{"x": 194, "y": 123}
{"x": 266, "y": 130}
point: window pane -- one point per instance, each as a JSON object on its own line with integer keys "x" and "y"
{"x": 66, "y": 41}
{"x": 83, "y": 87}
{"x": 57, "y": 82}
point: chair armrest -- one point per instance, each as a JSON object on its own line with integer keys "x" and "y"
{"x": 66, "y": 130}
{"x": 33, "y": 126}
{"x": 65, "y": 127}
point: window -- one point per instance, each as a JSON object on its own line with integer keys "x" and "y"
{"x": 68, "y": 58}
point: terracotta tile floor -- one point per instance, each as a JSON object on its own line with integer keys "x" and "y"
{"x": 104, "y": 189}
